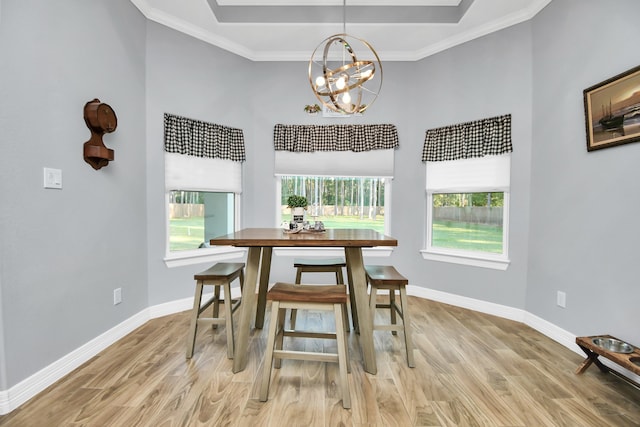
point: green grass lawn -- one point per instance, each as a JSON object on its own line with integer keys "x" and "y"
{"x": 188, "y": 233}
{"x": 349, "y": 222}
{"x": 467, "y": 236}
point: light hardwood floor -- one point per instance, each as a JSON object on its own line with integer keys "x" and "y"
{"x": 472, "y": 369}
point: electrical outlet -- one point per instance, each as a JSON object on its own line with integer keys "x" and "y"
{"x": 117, "y": 296}
{"x": 561, "y": 299}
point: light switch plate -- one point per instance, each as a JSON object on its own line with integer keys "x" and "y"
{"x": 52, "y": 178}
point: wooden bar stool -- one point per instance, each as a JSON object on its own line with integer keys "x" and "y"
{"x": 323, "y": 297}
{"x": 219, "y": 275}
{"x": 387, "y": 277}
{"x": 326, "y": 265}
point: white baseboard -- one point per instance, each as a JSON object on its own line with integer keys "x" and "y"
{"x": 31, "y": 386}
{"x": 23, "y": 391}
{"x": 470, "y": 303}
{"x": 546, "y": 328}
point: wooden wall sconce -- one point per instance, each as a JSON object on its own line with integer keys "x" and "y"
{"x": 100, "y": 119}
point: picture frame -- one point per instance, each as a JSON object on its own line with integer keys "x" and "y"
{"x": 612, "y": 111}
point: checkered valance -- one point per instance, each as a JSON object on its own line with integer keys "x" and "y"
{"x": 468, "y": 140}
{"x": 357, "y": 138}
{"x": 202, "y": 139}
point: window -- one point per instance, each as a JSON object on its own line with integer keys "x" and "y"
{"x": 468, "y": 222}
{"x": 339, "y": 202}
{"x": 344, "y": 171}
{"x": 203, "y": 186}
{"x": 195, "y": 217}
{"x": 468, "y": 211}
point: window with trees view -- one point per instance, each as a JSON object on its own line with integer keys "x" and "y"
{"x": 468, "y": 211}
{"x": 468, "y": 221}
{"x": 195, "y": 217}
{"x": 339, "y": 202}
{"x": 468, "y": 180}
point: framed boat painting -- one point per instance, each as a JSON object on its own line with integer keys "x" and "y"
{"x": 612, "y": 111}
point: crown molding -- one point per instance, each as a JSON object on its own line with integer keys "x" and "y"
{"x": 160, "y": 17}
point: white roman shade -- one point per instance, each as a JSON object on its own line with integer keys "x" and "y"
{"x": 184, "y": 172}
{"x": 481, "y": 174}
{"x": 335, "y": 150}
{"x": 374, "y": 163}
{"x": 201, "y": 156}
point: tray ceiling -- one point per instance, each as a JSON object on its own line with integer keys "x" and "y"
{"x": 289, "y": 30}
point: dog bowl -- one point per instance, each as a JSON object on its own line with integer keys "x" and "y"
{"x": 614, "y": 345}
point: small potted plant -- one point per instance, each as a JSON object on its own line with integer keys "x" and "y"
{"x": 297, "y": 204}
{"x": 312, "y": 109}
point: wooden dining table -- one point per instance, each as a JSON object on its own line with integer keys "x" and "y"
{"x": 260, "y": 243}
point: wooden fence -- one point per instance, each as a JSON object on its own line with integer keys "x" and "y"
{"x": 185, "y": 210}
{"x": 473, "y": 214}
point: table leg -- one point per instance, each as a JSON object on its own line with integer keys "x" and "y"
{"x": 247, "y": 308}
{"x": 356, "y": 264}
{"x": 352, "y": 300}
{"x": 265, "y": 270}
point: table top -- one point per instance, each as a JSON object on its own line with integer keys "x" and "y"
{"x": 276, "y": 237}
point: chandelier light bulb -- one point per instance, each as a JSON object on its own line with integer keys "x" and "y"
{"x": 320, "y": 81}
{"x": 340, "y": 83}
{"x": 346, "y": 98}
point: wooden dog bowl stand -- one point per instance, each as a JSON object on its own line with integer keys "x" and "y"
{"x": 594, "y": 351}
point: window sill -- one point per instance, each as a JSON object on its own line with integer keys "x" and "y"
{"x": 475, "y": 261}
{"x": 379, "y": 251}
{"x": 204, "y": 255}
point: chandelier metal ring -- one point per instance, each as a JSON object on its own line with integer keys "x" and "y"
{"x": 341, "y": 81}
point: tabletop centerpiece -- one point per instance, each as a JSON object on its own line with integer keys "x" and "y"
{"x": 298, "y": 205}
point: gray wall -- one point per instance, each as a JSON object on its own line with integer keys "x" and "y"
{"x": 287, "y": 85}
{"x": 487, "y": 77}
{"x": 62, "y": 252}
{"x": 190, "y": 78}
{"x": 584, "y": 206}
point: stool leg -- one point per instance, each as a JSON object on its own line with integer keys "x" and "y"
{"x": 216, "y": 304}
{"x": 392, "y": 309}
{"x": 342, "y": 356}
{"x": 277, "y": 363}
{"x": 191, "y": 338}
{"x": 408, "y": 341}
{"x": 345, "y": 312}
{"x": 228, "y": 310}
{"x": 268, "y": 357}
{"x": 372, "y": 302}
{"x": 294, "y": 312}
{"x": 352, "y": 301}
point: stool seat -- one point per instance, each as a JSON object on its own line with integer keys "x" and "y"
{"x": 221, "y": 270}
{"x": 219, "y": 276}
{"x": 285, "y": 296}
{"x": 386, "y": 277}
{"x": 325, "y": 265}
{"x": 327, "y": 294}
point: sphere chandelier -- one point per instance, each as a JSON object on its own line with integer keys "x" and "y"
{"x": 341, "y": 80}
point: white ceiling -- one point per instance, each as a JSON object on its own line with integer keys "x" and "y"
{"x": 289, "y": 30}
